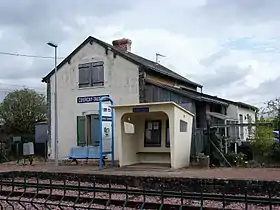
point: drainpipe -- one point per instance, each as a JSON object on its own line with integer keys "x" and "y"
{"x": 226, "y": 138}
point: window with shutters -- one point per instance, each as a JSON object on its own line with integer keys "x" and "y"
{"x": 88, "y": 130}
{"x": 91, "y": 74}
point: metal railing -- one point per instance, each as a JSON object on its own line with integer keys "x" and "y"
{"x": 34, "y": 193}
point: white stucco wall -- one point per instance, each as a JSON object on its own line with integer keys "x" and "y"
{"x": 121, "y": 83}
{"x": 234, "y": 112}
{"x": 244, "y": 113}
{"x": 182, "y": 145}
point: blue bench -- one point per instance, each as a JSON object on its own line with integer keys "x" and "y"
{"x": 85, "y": 153}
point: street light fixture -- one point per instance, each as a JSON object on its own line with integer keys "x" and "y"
{"x": 55, "y": 103}
{"x": 51, "y": 44}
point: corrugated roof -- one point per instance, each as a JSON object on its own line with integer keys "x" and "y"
{"x": 151, "y": 65}
{"x": 241, "y": 104}
{"x": 173, "y": 89}
{"x": 220, "y": 116}
{"x": 226, "y": 101}
{"x": 193, "y": 95}
{"x": 215, "y": 101}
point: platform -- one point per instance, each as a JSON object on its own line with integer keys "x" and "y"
{"x": 154, "y": 171}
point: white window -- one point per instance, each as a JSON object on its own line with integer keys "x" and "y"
{"x": 183, "y": 126}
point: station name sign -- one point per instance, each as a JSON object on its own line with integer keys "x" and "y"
{"x": 140, "y": 109}
{"x": 89, "y": 99}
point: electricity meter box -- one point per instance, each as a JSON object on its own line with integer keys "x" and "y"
{"x": 28, "y": 149}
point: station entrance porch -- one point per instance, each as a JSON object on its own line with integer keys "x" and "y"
{"x": 153, "y": 133}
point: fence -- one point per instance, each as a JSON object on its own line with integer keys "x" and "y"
{"x": 12, "y": 150}
{"x": 15, "y": 152}
{"x": 40, "y": 150}
{"x": 198, "y": 141}
{"x": 221, "y": 141}
{"x": 232, "y": 135}
{"x": 31, "y": 192}
{"x": 240, "y": 134}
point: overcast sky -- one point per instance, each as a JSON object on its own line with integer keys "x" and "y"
{"x": 231, "y": 47}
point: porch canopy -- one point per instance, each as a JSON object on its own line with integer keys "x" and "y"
{"x": 153, "y": 133}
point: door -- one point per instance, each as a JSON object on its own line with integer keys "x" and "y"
{"x": 95, "y": 130}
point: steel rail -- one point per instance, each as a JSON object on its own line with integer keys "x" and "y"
{"x": 88, "y": 200}
{"x": 140, "y": 192}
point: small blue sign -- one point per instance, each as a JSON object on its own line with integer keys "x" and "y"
{"x": 104, "y": 118}
{"x": 89, "y": 99}
{"x": 140, "y": 109}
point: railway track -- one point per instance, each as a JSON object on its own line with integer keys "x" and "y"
{"x": 81, "y": 198}
{"x": 87, "y": 202}
{"x": 47, "y": 194}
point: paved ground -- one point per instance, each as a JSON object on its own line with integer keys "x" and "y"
{"x": 148, "y": 170}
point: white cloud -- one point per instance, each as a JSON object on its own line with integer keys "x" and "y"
{"x": 231, "y": 46}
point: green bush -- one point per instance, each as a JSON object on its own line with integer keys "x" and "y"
{"x": 275, "y": 152}
{"x": 263, "y": 141}
{"x": 235, "y": 159}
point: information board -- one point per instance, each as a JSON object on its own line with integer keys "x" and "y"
{"x": 106, "y": 127}
{"x": 106, "y": 130}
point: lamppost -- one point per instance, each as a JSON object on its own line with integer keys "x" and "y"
{"x": 55, "y": 104}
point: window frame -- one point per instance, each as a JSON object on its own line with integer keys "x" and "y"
{"x": 159, "y": 130}
{"x": 241, "y": 127}
{"x": 167, "y": 134}
{"x": 93, "y": 80}
{"x": 250, "y": 121}
{"x": 183, "y": 129}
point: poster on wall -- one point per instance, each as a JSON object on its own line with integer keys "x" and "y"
{"x": 106, "y": 110}
{"x": 106, "y": 127}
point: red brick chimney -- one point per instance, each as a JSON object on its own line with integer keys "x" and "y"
{"x": 123, "y": 44}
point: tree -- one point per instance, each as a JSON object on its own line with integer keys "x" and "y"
{"x": 21, "y": 109}
{"x": 263, "y": 138}
{"x": 272, "y": 111}
{"x": 264, "y": 145}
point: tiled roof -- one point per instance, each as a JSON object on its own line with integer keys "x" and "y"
{"x": 151, "y": 65}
